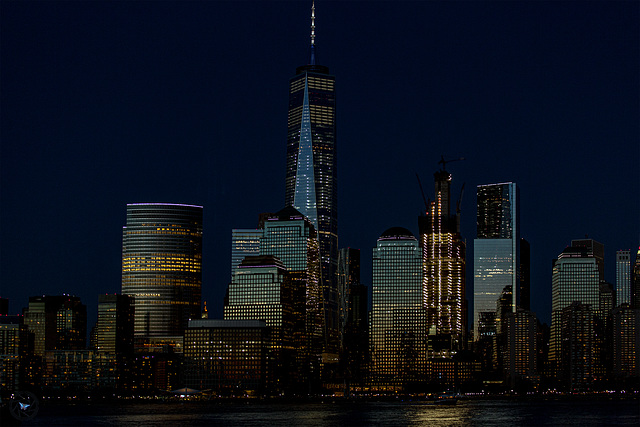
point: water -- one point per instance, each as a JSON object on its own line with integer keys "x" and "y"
{"x": 466, "y": 413}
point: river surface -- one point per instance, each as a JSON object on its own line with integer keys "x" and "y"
{"x": 257, "y": 413}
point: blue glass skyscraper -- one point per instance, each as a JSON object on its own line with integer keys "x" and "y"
{"x": 311, "y": 175}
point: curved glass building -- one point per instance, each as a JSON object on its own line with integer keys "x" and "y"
{"x": 162, "y": 267}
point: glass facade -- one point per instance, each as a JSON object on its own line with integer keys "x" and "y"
{"x": 496, "y": 249}
{"x": 162, "y": 267}
{"x": 244, "y": 242}
{"x": 311, "y": 184}
{"x": 59, "y": 322}
{"x": 227, "y": 355}
{"x": 114, "y": 329}
{"x": 575, "y": 278}
{"x": 623, "y": 277}
{"x": 398, "y": 316}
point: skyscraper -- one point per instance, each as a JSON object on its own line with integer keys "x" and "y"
{"x": 623, "y": 277}
{"x": 398, "y": 317}
{"x": 262, "y": 289}
{"x": 244, "y": 242}
{"x": 311, "y": 174}
{"x": 162, "y": 268}
{"x": 291, "y": 237}
{"x": 59, "y": 322}
{"x": 635, "y": 284}
{"x": 496, "y": 249}
{"x": 443, "y": 255}
{"x": 114, "y": 328}
{"x": 575, "y": 278}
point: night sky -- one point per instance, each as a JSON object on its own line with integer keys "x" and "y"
{"x": 104, "y": 104}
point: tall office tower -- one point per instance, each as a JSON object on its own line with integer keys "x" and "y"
{"x": 577, "y": 355}
{"x": 59, "y": 322}
{"x": 263, "y": 289}
{"x": 575, "y": 278}
{"x": 244, "y": 242}
{"x": 626, "y": 342}
{"x": 635, "y": 284}
{"x": 520, "y": 346}
{"x": 398, "y": 318}
{"x": 162, "y": 268}
{"x": 348, "y": 275}
{"x": 312, "y": 174}
{"x": 114, "y": 329}
{"x": 525, "y": 274}
{"x": 291, "y": 237}
{"x": 623, "y": 277}
{"x": 354, "y": 319}
{"x": 497, "y": 248}
{"x": 443, "y": 259}
{"x": 4, "y": 306}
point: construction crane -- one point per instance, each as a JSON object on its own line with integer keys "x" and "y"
{"x": 444, "y": 162}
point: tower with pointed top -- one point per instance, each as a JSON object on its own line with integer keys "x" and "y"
{"x": 311, "y": 175}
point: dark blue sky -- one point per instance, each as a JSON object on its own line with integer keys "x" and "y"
{"x": 105, "y": 104}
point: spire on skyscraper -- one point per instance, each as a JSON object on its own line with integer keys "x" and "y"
{"x": 313, "y": 33}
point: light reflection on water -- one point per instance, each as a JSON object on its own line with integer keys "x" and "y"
{"x": 466, "y": 413}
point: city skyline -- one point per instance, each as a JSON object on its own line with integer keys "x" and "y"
{"x": 106, "y": 104}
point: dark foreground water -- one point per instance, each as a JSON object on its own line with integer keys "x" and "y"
{"x": 466, "y": 413}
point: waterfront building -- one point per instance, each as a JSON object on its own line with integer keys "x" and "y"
{"x": 443, "y": 260}
{"x": 162, "y": 270}
{"x": 496, "y": 249}
{"x": 16, "y": 347}
{"x": 58, "y": 322}
{"x": 576, "y": 277}
{"x": 244, "y": 242}
{"x": 227, "y": 355}
{"x": 635, "y": 285}
{"x": 311, "y": 183}
{"x": 626, "y": 342}
{"x": 525, "y": 274}
{"x": 69, "y": 371}
{"x": 262, "y": 289}
{"x": 578, "y": 355}
{"x": 354, "y": 320}
{"x": 292, "y": 238}
{"x": 623, "y": 277}
{"x": 398, "y": 317}
{"x": 114, "y": 328}
{"x": 520, "y": 347}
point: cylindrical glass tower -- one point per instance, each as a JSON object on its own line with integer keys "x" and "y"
{"x": 162, "y": 266}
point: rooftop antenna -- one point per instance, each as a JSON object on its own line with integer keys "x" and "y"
{"x": 313, "y": 33}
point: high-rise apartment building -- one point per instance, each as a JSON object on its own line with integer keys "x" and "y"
{"x": 576, "y": 277}
{"x": 114, "y": 328}
{"x": 635, "y": 282}
{"x": 311, "y": 170}
{"x": 496, "y": 249}
{"x": 623, "y": 277}
{"x": 58, "y": 322}
{"x": 244, "y": 242}
{"x": 443, "y": 257}
{"x": 162, "y": 269}
{"x": 398, "y": 318}
{"x": 626, "y": 342}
